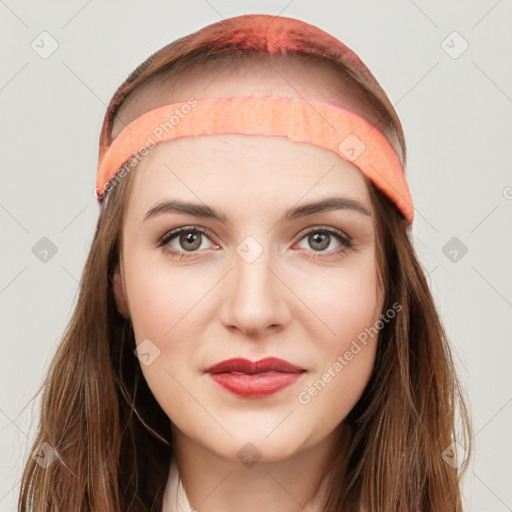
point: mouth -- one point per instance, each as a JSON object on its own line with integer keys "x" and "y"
{"x": 269, "y": 364}
{"x": 254, "y": 379}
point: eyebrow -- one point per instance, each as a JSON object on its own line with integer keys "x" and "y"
{"x": 204, "y": 211}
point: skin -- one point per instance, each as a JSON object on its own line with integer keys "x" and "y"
{"x": 294, "y": 301}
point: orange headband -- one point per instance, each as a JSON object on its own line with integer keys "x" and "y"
{"x": 322, "y": 124}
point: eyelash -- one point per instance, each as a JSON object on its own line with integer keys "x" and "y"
{"x": 346, "y": 241}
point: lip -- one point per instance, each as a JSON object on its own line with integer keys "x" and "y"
{"x": 254, "y": 378}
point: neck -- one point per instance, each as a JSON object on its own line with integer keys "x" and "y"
{"x": 216, "y": 484}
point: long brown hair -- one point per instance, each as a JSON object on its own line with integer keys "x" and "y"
{"x": 111, "y": 440}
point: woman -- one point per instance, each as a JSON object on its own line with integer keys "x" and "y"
{"x": 254, "y": 329}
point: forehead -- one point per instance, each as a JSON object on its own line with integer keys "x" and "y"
{"x": 237, "y": 173}
{"x": 253, "y": 75}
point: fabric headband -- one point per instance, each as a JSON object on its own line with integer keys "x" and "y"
{"x": 322, "y": 124}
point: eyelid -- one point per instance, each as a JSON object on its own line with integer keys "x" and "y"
{"x": 325, "y": 228}
{"x": 169, "y": 235}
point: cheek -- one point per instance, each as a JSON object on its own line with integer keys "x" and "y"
{"x": 330, "y": 395}
{"x": 350, "y": 308}
{"x": 343, "y": 301}
{"x": 163, "y": 301}
{"x": 165, "y": 307}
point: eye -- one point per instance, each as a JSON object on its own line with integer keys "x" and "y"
{"x": 189, "y": 239}
{"x": 320, "y": 238}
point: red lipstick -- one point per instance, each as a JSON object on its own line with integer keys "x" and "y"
{"x": 254, "y": 379}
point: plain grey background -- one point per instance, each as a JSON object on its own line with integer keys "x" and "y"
{"x": 446, "y": 68}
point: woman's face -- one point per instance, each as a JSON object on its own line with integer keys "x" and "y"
{"x": 266, "y": 276}
{"x": 252, "y": 286}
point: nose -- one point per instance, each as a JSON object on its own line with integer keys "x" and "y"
{"x": 256, "y": 297}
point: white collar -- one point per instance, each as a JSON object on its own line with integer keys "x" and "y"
{"x": 175, "y": 498}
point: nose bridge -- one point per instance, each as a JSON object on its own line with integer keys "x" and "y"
{"x": 255, "y": 298}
